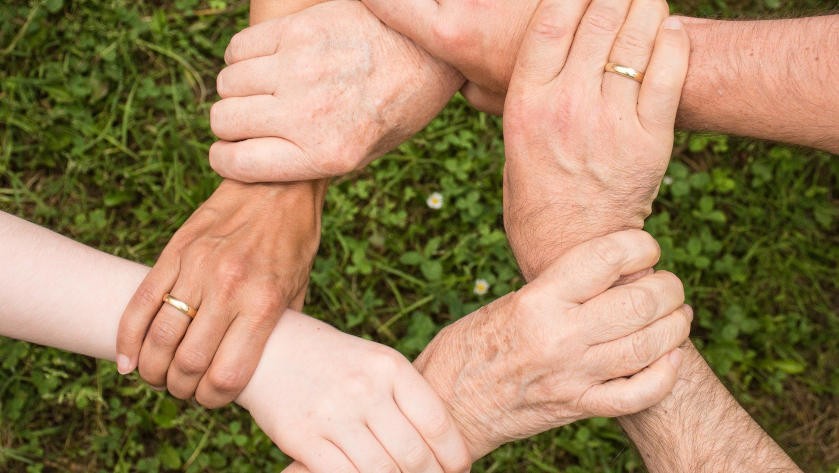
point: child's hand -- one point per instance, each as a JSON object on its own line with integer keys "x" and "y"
{"x": 338, "y": 403}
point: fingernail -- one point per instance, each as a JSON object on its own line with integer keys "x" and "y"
{"x": 124, "y": 364}
{"x": 672, "y": 23}
{"x": 675, "y": 358}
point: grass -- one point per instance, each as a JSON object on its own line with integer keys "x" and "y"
{"x": 104, "y": 135}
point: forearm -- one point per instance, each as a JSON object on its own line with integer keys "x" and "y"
{"x": 62, "y": 294}
{"x": 772, "y": 79}
{"x": 701, "y": 427}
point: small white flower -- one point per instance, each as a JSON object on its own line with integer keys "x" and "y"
{"x": 481, "y": 287}
{"x": 435, "y": 201}
{"x": 667, "y": 180}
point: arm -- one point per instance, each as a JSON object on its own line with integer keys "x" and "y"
{"x": 703, "y": 422}
{"x": 699, "y": 427}
{"x": 317, "y": 393}
{"x": 562, "y": 334}
{"x": 237, "y": 254}
{"x": 772, "y": 79}
{"x": 765, "y": 79}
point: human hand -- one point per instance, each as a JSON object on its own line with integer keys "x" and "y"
{"x": 480, "y": 39}
{"x": 338, "y": 403}
{"x": 586, "y": 150}
{"x": 565, "y": 347}
{"x": 239, "y": 262}
{"x": 321, "y": 93}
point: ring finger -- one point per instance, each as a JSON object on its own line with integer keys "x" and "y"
{"x": 633, "y": 48}
{"x": 166, "y": 332}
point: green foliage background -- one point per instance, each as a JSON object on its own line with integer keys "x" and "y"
{"x": 104, "y": 135}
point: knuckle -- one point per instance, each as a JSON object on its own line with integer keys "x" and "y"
{"x": 342, "y": 163}
{"x": 608, "y": 251}
{"x": 191, "y": 362}
{"x": 633, "y": 39}
{"x": 230, "y": 273}
{"x": 417, "y": 457}
{"x": 234, "y": 48}
{"x": 384, "y": 465}
{"x": 448, "y": 33}
{"x": 227, "y": 379}
{"x": 437, "y": 424}
{"x": 604, "y": 20}
{"x": 462, "y": 462}
{"x": 673, "y": 284}
{"x": 147, "y": 297}
{"x": 643, "y": 349}
{"x": 164, "y": 333}
{"x": 642, "y": 302}
{"x": 551, "y": 23}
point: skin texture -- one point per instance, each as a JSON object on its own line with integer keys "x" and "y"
{"x": 700, "y": 427}
{"x": 334, "y": 401}
{"x": 765, "y": 79}
{"x": 239, "y": 262}
{"x": 310, "y": 417}
{"x": 360, "y": 88}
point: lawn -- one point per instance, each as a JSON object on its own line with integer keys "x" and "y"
{"x": 103, "y": 137}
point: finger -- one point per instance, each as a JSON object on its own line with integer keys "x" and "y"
{"x": 592, "y": 267}
{"x": 166, "y": 332}
{"x": 237, "y": 356}
{"x": 594, "y": 39}
{"x": 402, "y": 441}
{"x": 300, "y": 299}
{"x": 629, "y": 355}
{"x": 482, "y": 99}
{"x": 633, "y": 48}
{"x": 143, "y": 306}
{"x": 296, "y": 467}
{"x": 264, "y": 160}
{"x": 197, "y": 349}
{"x": 625, "y": 396}
{"x": 256, "y": 76}
{"x": 416, "y": 19}
{"x": 365, "y": 452}
{"x": 322, "y": 456}
{"x": 255, "y": 116}
{"x": 662, "y": 89}
{"x": 262, "y": 39}
{"x": 546, "y": 43}
{"x": 429, "y": 416}
{"x": 623, "y": 310}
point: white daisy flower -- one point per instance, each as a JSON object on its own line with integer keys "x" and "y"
{"x": 667, "y": 180}
{"x": 435, "y": 201}
{"x": 481, "y": 287}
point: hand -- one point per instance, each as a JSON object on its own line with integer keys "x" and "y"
{"x": 338, "y": 403}
{"x": 480, "y": 39}
{"x": 239, "y": 262}
{"x": 321, "y": 93}
{"x": 586, "y": 150}
{"x": 561, "y": 349}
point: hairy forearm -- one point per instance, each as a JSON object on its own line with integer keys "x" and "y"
{"x": 700, "y": 427}
{"x": 773, "y": 79}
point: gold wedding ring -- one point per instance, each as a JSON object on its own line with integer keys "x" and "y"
{"x": 624, "y": 71}
{"x": 180, "y": 305}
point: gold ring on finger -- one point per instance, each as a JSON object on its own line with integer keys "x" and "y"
{"x": 625, "y": 71}
{"x": 180, "y": 305}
